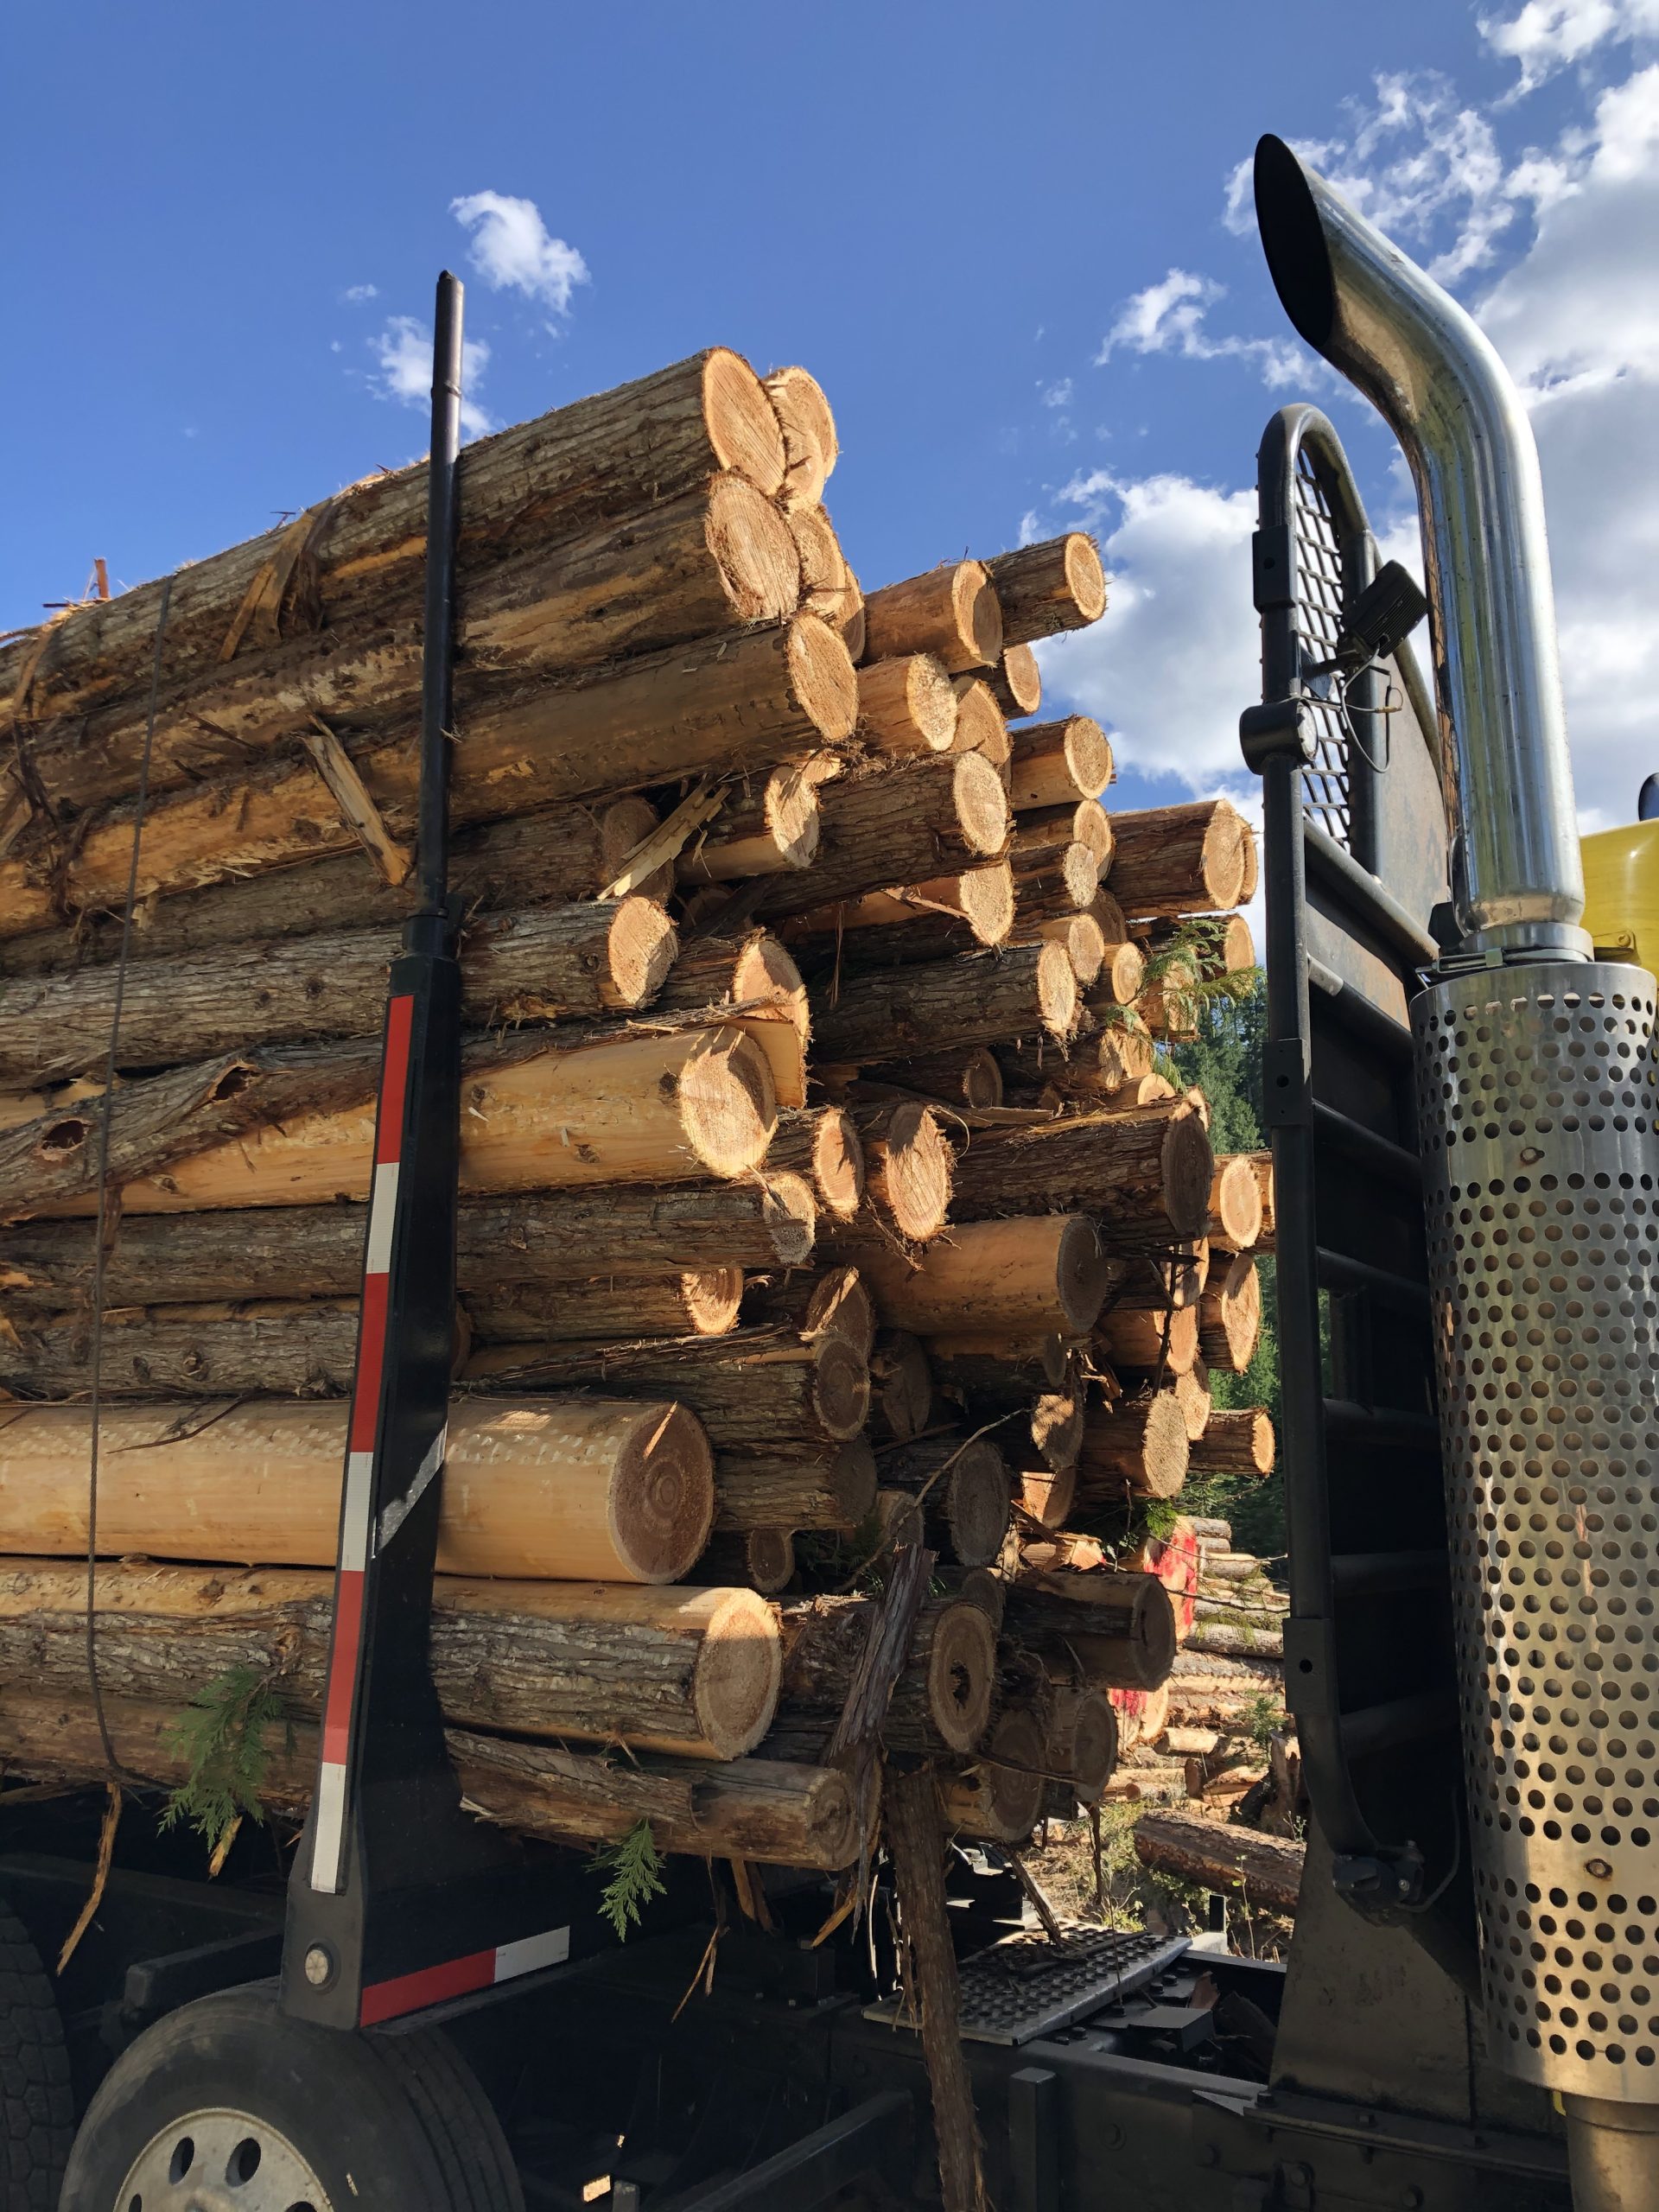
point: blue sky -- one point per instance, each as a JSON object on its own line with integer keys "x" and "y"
{"x": 218, "y": 222}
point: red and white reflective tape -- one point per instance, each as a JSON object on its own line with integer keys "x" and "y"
{"x": 357, "y": 1516}
{"x": 410, "y": 1992}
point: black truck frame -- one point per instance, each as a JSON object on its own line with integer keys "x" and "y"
{"x": 710, "y": 2064}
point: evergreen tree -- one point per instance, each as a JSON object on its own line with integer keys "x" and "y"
{"x": 1224, "y": 1062}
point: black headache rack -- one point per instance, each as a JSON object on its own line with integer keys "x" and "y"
{"x": 1355, "y": 869}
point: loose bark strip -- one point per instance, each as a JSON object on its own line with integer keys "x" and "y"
{"x": 757, "y": 1389}
{"x": 966, "y": 1491}
{"x": 1235, "y": 1442}
{"x": 645, "y": 1108}
{"x": 822, "y": 1144}
{"x": 907, "y": 823}
{"x": 1264, "y": 1871}
{"x": 976, "y": 999}
{"x": 531, "y": 860}
{"x": 739, "y": 702}
{"x": 1026, "y": 1277}
{"x": 758, "y": 1809}
{"x": 576, "y": 1487}
{"x": 1144, "y": 1175}
{"x": 1229, "y": 1316}
{"x": 1138, "y": 1449}
{"x": 916, "y": 1840}
{"x": 1016, "y": 682}
{"x": 907, "y": 705}
{"x": 1059, "y": 763}
{"x": 317, "y": 1251}
{"x": 951, "y": 612}
{"x": 810, "y": 446}
{"x": 580, "y": 960}
{"x": 694, "y": 1673}
{"x": 1058, "y": 585}
{"x": 1172, "y": 860}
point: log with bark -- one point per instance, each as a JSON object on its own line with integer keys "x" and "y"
{"x": 999, "y": 1796}
{"x": 257, "y": 1128}
{"x": 692, "y": 1302}
{"x": 631, "y": 457}
{"x": 1055, "y": 880}
{"x": 304, "y": 1348}
{"x": 759, "y": 1809}
{"x": 951, "y": 612}
{"x": 761, "y": 1390}
{"x": 1136, "y": 1449}
{"x": 965, "y": 1490}
{"x": 908, "y": 1162}
{"x": 766, "y": 830}
{"x": 581, "y": 1487}
{"x": 1042, "y": 589}
{"x": 580, "y": 960}
{"x": 1229, "y": 1316}
{"x": 1145, "y": 1343}
{"x": 906, "y": 822}
{"x": 1095, "y": 1069}
{"x": 901, "y": 1387}
{"x": 968, "y": 1076}
{"x": 1264, "y": 1871}
{"x": 907, "y": 704}
{"x": 976, "y": 999}
{"x": 317, "y": 1251}
{"x": 1058, "y": 764}
{"x": 737, "y": 702}
{"x": 942, "y": 1700}
{"x": 794, "y": 1488}
{"x": 817, "y": 1302}
{"x": 1016, "y": 682}
{"x": 1235, "y": 1441}
{"x": 1172, "y": 861}
{"x": 822, "y": 1144}
{"x": 1119, "y": 1628}
{"x": 692, "y": 1671}
{"x": 1144, "y": 1174}
{"x": 761, "y": 1560}
{"x": 922, "y": 922}
{"x": 531, "y": 860}
{"x": 1027, "y": 1277}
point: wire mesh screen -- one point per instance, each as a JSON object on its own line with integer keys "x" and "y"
{"x": 1318, "y": 616}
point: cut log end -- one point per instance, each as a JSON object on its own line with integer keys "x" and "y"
{"x": 1057, "y": 992}
{"x": 641, "y": 948}
{"x": 743, "y": 427}
{"x": 753, "y": 551}
{"x": 740, "y": 1666}
{"x": 981, "y": 805}
{"x": 907, "y": 705}
{"x": 808, "y": 429}
{"x": 980, "y": 726}
{"x": 838, "y": 1163}
{"x": 1188, "y": 1171}
{"x": 912, "y": 1163}
{"x": 1236, "y": 1202}
{"x": 825, "y": 681}
{"x": 661, "y": 1504}
{"x": 1019, "y": 683}
{"x": 999, "y": 1797}
{"x": 984, "y": 898}
{"x": 790, "y": 1214}
{"x": 729, "y": 1106}
{"x": 961, "y": 1674}
{"x": 1081, "y": 1274}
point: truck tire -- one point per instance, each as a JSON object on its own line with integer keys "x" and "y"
{"x": 37, "y": 2111}
{"x": 227, "y": 2099}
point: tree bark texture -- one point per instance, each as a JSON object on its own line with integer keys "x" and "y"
{"x": 1264, "y": 1871}
{"x": 1058, "y": 764}
{"x": 1172, "y": 860}
{"x": 976, "y": 999}
{"x": 1027, "y": 1277}
{"x": 951, "y": 612}
{"x": 1138, "y": 1448}
{"x": 1058, "y": 585}
{"x": 908, "y": 822}
{"x": 1145, "y": 1176}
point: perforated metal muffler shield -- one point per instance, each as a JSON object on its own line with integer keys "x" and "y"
{"x": 1536, "y": 1100}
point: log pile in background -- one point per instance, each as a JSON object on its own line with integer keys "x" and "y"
{"x": 820, "y": 1193}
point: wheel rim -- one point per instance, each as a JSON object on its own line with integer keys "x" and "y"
{"x": 221, "y": 2161}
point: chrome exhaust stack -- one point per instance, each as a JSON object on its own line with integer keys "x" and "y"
{"x": 1536, "y": 1111}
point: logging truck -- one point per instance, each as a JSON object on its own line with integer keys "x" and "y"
{"x": 547, "y": 1575}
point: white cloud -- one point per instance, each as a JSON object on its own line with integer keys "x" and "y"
{"x": 1548, "y": 35}
{"x": 1058, "y": 395}
{"x": 404, "y": 350}
{"x": 513, "y": 251}
{"x": 361, "y": 292}
{"x": 1169, "y": 318}
{"x": 1175, "y": 660}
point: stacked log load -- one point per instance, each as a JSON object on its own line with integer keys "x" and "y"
{"x": 825, "y": 1193}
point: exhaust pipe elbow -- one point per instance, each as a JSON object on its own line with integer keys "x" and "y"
{"x": 1438, "y": 382}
